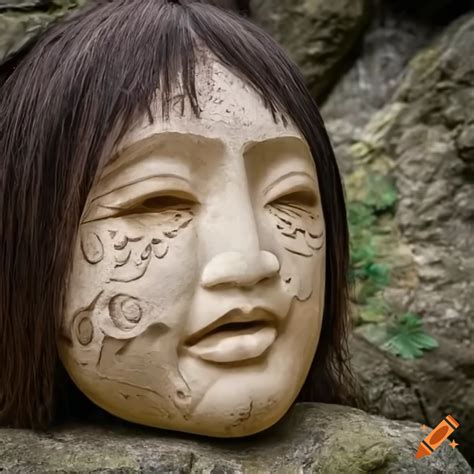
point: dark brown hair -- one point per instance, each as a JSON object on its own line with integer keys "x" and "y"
{"x": 85, "y": 80}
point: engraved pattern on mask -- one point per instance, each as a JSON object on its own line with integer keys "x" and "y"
{"x": 92, "y": 248}
{"x": 133, "y": 258}
{"x": 302, "y": 234}
{"x": 82, "y": 325}
{"x": 125, "y": 311}
{"x": 300, "y": 227}
{"x": 132, "y": 253}
{"x": 122, "y": 325}
{"x": 122, "y": 361}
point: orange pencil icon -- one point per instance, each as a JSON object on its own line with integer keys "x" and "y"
{"x": 439, "y": 434}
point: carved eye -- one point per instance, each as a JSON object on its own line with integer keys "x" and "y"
{"x": 305, "y": 198}
{"x": 157, "y": 203}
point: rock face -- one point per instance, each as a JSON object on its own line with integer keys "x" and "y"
{"x": 22, "y": 21}
{"x": 390, "y": 42}
{"x": 312, "y": 438}
{"x": 423, "y": 140}
{"x": 318, "y": 34}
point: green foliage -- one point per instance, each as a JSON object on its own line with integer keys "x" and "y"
{"x": 360, "y": 216}
{"x": 407, "y": 338}
{"x": 370, "y": 275}
{"x": 374, "y": 310}
{"x": 379, "y": 273}
{"x": 361, "y": 220}
{"x": 404, "y": 336}
{"x": 378, "y": 195}
{"x": 381, "y": 194}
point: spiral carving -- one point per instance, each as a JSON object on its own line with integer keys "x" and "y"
{"x": 125, "y": 311}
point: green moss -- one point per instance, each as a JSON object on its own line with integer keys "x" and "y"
{"x": 375, "y": 195}
{"x": 363, "y": 446}
{"x": 425, "y": 60}
{"x": 372, "y": 201}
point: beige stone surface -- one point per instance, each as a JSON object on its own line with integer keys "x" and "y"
{"x": 196, "y": 293}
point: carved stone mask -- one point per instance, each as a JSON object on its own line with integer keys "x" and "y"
{"x": 197, "y": 287}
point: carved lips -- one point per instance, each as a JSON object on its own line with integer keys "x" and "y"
{"x": 241, "y": 334}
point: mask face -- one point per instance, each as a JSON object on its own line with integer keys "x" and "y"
{"x": 197, "y": 287}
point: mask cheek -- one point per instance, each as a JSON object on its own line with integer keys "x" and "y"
{"x": 113, "y": 287}
{"x": 121, "y": 323}
{"x": 300, "y": 246}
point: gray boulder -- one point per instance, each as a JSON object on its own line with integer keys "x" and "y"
{"x": 318, "y": 34}
{"x": 23, "y": 21}
{"x": 311, "y": 438}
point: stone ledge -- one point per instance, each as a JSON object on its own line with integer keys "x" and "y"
{"x": 311, "y": 438}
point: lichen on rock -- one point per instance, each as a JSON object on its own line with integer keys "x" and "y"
{"x": 311, "y": 438}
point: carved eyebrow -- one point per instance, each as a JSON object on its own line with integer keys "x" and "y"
{"x": 140, "y": 180}
{"x": 158, "y": 138}
{"x": 294, "y": 140}
{"x": 286, "y": 176}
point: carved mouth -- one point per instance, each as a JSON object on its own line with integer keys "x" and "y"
{"x": 235, "y": 337}
{"x": 236, "y": 319}
{"x": 232, "y": 329}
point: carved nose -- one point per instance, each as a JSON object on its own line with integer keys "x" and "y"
{"x": 238, "y": 269}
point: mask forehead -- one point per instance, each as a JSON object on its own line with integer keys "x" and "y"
{"x": 229, "y": 107}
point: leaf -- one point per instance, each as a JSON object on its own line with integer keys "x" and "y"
{"x": 407, "y": 338}
{"x": 381, "y": 193}
{"x": 379, "y": 273}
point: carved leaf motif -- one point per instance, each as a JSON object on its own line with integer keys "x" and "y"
{"x": 301, "y": 230}
{"x": 82, "y": 326}
{"x": 85, "y": 331}
{"x": 160, "y": 248}
{"x": 135, "y": 253}
{"x": 92, "y": 247}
